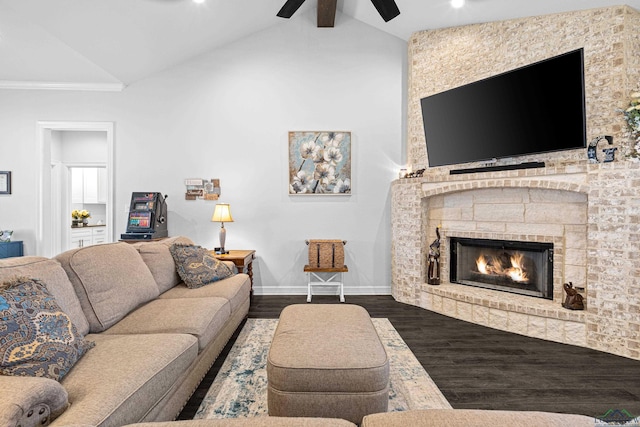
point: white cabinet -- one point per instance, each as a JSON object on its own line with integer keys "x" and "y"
{"x": 87, "y": 236}
{"x": 103, "y": 190}
{"x": 77, "y": 185}
{"x": 88, "y": 185}
{"x": 81, "y": 238}
{"x": 98, "y": 235}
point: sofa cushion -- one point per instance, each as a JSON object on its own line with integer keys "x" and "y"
{"x": 160, "y": 261}
{"x": 202, "y": 317}
{"x": 476, "y": 418}
{"x": 51, "y": 273}
{"x": 124, "y": 376}
{"x": 197, "y": 267}
{"x": 236, "y": 289}
{"x": 38, "y": 338}
{"x": 110, "y": 280}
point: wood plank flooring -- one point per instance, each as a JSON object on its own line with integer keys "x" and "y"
{"x": 483, "y": 368}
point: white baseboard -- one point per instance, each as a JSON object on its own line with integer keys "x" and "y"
{"x": 321, "y": 290}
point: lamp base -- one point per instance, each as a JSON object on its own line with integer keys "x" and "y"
{"x": 220, "y": 251}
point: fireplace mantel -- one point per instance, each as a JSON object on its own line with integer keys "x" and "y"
{"x": 565, "y": 176}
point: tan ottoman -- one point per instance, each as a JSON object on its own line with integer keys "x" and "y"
{"x": 327, "y": 361}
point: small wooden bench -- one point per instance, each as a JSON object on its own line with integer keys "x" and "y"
{"x": 325, "y": 256}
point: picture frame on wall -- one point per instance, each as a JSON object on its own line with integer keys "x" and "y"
{"x": 320, "y": 163}
{"x": 5, "y": 182}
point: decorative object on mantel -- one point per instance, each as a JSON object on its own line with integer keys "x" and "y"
{"x": 592, "y": 149}
{"x": 5, "y": 182}
{"x": 632, "y": 117}
{"x": 80, "y": 217}
{"x": 320, "y": 163}
{"x": 415, "y": 174}
{"x": 5, "y": 236}
{"x": 573, "y": 300}
{"x": 198, "y": 188}
{"x": 433, "y": 270}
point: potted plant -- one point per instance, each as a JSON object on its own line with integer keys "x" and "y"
{"x": 80, "y": 217}
{"x": 632, "y": 117}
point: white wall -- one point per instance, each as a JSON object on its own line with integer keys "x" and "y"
{"x": 226, "y": 115}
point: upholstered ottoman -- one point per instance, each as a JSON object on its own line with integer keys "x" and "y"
{"x": 327, "y": 361}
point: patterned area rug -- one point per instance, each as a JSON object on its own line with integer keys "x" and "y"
{"x": 240, "y": 388}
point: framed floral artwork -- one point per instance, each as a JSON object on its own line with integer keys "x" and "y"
{"x": 320, "y": 163}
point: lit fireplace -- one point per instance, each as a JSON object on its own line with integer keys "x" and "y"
{"x": 519, "y": 267}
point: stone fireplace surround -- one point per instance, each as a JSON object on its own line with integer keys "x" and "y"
{"x": 553, "y": 205}
{"x": 590, "y": 212}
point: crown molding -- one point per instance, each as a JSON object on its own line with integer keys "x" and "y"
{"x": 92, "y": 87}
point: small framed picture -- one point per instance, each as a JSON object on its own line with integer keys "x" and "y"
{"x": 5, "y": 182}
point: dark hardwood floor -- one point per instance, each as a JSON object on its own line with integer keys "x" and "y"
{"x": 484, "y": 368}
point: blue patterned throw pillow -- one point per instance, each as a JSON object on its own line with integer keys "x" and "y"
{"x": 37, "y": 338}
{"x": 196, "y": 266}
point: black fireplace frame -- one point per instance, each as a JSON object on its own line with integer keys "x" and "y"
{"x": 540, "y": 247}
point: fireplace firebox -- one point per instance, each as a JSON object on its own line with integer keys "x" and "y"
{"x": 511, "y": 266}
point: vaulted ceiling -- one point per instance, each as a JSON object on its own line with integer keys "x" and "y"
{"x": 116, "y": 42}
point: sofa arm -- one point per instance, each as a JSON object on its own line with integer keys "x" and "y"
{"x": 30, "y": 401}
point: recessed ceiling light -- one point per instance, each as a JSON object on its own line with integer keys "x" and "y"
{"x": 198, "y": 1}
{"x": 457, "y": 3}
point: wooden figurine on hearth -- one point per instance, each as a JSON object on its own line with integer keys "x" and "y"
{"x": 573, "y": 300}
{"x": 433, "y": 270}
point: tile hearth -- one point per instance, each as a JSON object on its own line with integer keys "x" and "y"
{"x": 525, "y": 315}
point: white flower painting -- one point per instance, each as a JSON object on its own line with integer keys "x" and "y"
{"x": 320, "y": 163}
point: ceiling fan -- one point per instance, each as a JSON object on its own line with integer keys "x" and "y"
{"x": 327, "y": 10}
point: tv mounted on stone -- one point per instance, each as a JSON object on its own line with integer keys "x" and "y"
{"x": 533, "y": 109}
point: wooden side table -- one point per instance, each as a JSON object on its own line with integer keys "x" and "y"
{"x": 242, "y": 260}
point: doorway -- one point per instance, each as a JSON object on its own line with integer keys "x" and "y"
{"x": 54, "y": 181}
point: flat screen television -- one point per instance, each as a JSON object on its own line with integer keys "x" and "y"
{"x": 534, "y": 109}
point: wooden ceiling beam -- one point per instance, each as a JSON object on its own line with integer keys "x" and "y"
{"x": 326, "y": 13}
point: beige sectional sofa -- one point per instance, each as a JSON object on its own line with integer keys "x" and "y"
{"x": 154, "y": 338}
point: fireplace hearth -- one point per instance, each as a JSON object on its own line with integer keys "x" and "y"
{"x": 524, "y": 268}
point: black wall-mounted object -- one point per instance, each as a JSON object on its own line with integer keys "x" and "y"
{"x": 538, "y": 108}
{"x": 386, "y": 8}
{"x": 147, "y": 217}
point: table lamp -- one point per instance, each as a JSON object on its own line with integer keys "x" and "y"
{"x": 222, "y": 214}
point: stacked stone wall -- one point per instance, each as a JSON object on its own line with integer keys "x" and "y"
{"x": 607, "y": 235}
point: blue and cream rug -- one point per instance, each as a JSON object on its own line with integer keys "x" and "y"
{"x": 240, "y": 388}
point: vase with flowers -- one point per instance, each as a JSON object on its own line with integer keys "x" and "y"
{"x": 632, "y": 117}
{"x": 80, "y": 217}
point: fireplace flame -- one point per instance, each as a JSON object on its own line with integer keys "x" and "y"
{"x": 494, "y": 266}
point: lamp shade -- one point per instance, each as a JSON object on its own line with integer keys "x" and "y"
{"x": 222, "y": 213}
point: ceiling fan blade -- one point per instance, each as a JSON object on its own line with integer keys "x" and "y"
{"x": 290, "y": 8}
{"x": 387, "y": 9}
